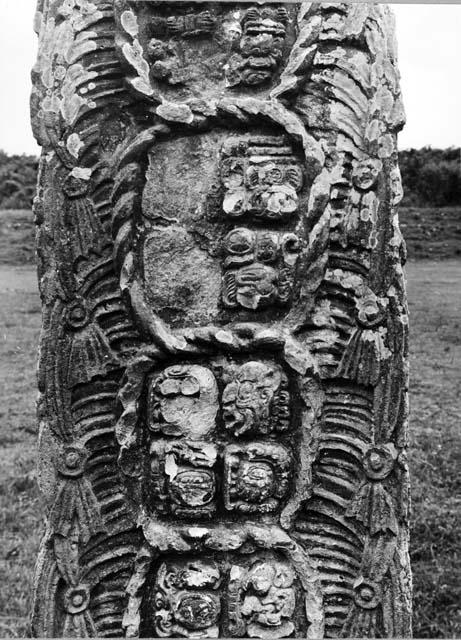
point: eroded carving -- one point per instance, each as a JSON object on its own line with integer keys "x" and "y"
{"x": 269, "y": 600}
{"x": 185, "y": 600}
{"x": 256, "y": 400}
{"x": 235, "y": 46}
{"x": 256, "y": 476}
{"x": 262, "y": 178}
{"x": 183, "y": 478}
{"x": 223, "y": 377}
{"x": 183, "y": 401}
{"x": 230, "y": 595}
{"x": 186, "y": 26}
{"x": 260, "y": 47}
{"x": 259, "y": 268}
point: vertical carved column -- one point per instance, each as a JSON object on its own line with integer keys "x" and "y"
{"x": 223, "y": 361}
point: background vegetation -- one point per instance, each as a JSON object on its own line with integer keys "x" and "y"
{"x": 18, "y": 175}
{"x": 431, "y": 178}
{"x": 434, "y": 292}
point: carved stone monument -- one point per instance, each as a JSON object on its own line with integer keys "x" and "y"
{"x": 223, "y": 361}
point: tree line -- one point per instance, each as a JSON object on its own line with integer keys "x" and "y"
{"x": 18, "y": 176}
{"x": 431, "y": 178}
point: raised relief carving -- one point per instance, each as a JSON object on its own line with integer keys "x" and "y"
{"x": 259, "y": 268}
{"x": 356, "y": 226}
{"x": 183, "y": 401}
{"x": 261, "y": 598}
{"x": 373, "y": 505}
{"x": 269, "y": 600}
{"x": 256, "y": 476}
{"x": 163, "y": 58}
{"x": 261, "y": 178}
{"x": 183, "y": 478}
{"x": 366, "y": 350}
{"x": 223, "y": 365}
{"x": 182, "y": 404}
{"x": 188, "y": 52}
{"x": 164, "y": 51}
{"x": 186, "y": 26}
{"x": 260, "y": 47}
{"x": 256, "y": 400}
{"x": 185, "y": 601}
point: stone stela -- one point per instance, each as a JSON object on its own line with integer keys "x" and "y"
{"x": 223, "y": 368}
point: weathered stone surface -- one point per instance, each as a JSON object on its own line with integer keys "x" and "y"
{"x": 223, "y": 362}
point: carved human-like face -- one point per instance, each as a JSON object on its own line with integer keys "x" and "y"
{"x": 185, "y": 601}
{"x": 262, "y": 177}
{"x": 266, "y": 189}
{"x": 248, "y": 398}
{"x": 260, "y": 47}
{"x": 183, "y": 478}
{"x": 366, "y": 173}
{"x": 256, "y": 481}
{"x": 270, "y": 598}
{"x": 256, "y": 476}
{"x": 259, "y": 268}
{"x": 187, "y": 594}
{"x": 193, "y": 487}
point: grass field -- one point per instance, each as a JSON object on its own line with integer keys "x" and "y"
{"x": 17, "y": 235}
{"x": 435, "y": 303}
{"x": 431, "y": 232}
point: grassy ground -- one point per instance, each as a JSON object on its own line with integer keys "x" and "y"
{"x": 17, "y": 234}
{"x": 435, "y": 303}
{"x": 434, "y": 290}
{"x": 432, "y": 232}
{"x": 20, "y": 513}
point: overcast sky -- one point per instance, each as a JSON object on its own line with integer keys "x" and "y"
{"x": 429, "y": 39}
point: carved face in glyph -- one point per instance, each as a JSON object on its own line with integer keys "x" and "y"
{"x": 183, "y": 477}
{"x": 262, "y": 179}
{"x": 270, "y": 599}
{"x": 268, "y": 190}
{"x": 248, "y": 399}
{"x": 259, "y": 268}
{"x": 260, "y": 46}
{"x": 187, "y": 596}
{"x": 256, "y": 480}
{"x": 185, "y": 600}
{"x": 256, "y": 476}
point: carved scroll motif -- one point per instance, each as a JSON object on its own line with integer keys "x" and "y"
{"x": 223, "y": 367}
